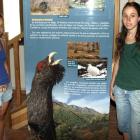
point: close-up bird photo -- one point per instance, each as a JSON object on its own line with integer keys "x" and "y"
{"x": 49, "y": 7}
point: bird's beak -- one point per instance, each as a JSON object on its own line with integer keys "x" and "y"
{"x": 56, "y": 62}
{"x": 51, "y": 57}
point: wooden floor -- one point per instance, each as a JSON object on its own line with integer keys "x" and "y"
{"x": 114, "y": 134}
{"x": 20, "y": 134}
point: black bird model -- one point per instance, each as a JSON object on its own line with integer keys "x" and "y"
{"x": 40, "y": 104}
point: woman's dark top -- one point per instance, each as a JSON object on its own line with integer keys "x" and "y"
{"x": 128, "y": 76}
{"x": 4, "y": 77}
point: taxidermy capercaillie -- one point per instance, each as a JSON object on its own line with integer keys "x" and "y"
{"x": 40, "y": 105}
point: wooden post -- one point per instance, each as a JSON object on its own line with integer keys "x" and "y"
{"x": 116, "y": 21}
{"x": 1, "y": 6}
{"x": 17, "y": 71}
{"x": 21, "y": 14}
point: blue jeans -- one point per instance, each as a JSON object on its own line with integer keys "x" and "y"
{"x": 128, "y": 111}
{"x": 6, "y": 95}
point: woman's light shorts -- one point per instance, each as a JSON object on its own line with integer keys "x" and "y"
{"x": 6, "y": 95}
{"x": 128, "y": 111}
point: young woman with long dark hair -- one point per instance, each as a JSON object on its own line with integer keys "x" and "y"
{"x": 125, "y": 84}
{"x": 5, "y": 86}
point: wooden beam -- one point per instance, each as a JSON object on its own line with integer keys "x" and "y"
{"x": 20, "y": 36}
{"x": 116, "y": 22}
{"x": 17, "y": 71}
{"x": 21, "y": 14}
{"x": 1, "y": 6}
{"x": 23, "y": 92}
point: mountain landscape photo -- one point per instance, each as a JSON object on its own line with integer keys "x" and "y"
{"x": 77, "y": 123}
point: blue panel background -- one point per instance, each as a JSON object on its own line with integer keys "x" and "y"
{"x": 37, "y": 50}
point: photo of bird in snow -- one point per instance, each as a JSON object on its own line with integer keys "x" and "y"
{"x": 93, "y": 69}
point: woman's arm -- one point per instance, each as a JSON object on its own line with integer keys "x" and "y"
{"x": 6, "y": 67}
{"x": 115, "y": 71}
{"x": 5, "y": 64}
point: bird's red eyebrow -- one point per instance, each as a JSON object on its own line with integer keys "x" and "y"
{"x": 39, "y": 65}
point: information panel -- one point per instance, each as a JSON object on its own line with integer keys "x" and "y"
{"x": 68, "y": 62}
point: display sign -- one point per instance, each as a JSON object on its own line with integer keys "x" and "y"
{"x": 68, "y": 62}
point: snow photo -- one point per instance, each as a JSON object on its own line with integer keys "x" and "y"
{"x": 93, "y": 69}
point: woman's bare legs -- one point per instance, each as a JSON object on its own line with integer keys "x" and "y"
{"x": 3, "y": 110}
{"x": 126, "y": 136}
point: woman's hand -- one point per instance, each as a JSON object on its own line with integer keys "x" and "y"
{"x": 115, "y": 71}
{"x": 111, "y": 93}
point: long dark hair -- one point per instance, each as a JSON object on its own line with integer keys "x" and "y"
{"x": 120, "y": 39}
{"x": 1, "y": 16}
